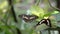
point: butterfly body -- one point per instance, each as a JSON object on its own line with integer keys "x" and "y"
{"x": 28, "y": 18}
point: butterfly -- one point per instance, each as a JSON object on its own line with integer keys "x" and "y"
{"x": 45, "y": 21}
{"x": 28, "y": 18}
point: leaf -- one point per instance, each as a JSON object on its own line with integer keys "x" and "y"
{"x": 3, "y": 5}
{"x": 36, "y": 10}
{"x": 50, "y": 13}
{"x": 55, "y": 12}
{"x": 41, "y": 27}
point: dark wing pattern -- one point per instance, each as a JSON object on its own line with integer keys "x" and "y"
{"x": 45, "y": 21}
{"x": 28, "y": 18}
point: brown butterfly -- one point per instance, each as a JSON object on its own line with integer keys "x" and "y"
{"x": 45, "y": 21}
{"x": 28, "y": 18}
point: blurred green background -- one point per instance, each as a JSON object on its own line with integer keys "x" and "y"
{"x": 10, "y": 23}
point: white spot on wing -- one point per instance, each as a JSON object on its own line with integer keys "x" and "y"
{"x": 41, "y": 21}
{"x": 48, "y": 22}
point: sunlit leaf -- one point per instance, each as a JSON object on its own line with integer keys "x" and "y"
{"x": 3, "y": 4}
{"x": 55, "y": 12}
{"x": 36, "y": 10}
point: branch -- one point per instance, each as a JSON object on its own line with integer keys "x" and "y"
{"x": 18, "y": 31}
{"x": 12, "y": 9}
{"x": 58, "y": 28}
{"x": 2, "y": 20}
{"x": 37, "y": 2}
{"x": 53, "y": 7}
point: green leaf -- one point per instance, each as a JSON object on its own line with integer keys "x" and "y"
{"x": 41, "y": 27}
{"x": 55, "y": 12}
{"x": 36, "y": 10}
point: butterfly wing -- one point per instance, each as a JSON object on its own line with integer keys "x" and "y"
{"x": 33, "y": 17}
{"x": 49, "y": 22}
{"x": 24, "y": 17}
{"x": 45, "y": 21}
{"x": 28, "y": 18}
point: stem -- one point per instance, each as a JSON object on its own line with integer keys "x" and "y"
{"x": 49, "y": 32}
{"x": 37, "y": 2}
{"x": 12, "y": 9}
{"x": 59, "y": 31}
{"x": 58, "y": 4}
{"x": 18, "y": 31}
{"x": 53, "y": 7}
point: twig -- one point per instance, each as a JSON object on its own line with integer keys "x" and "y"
{"x": 2, "y": 20}
{"x": 18, "y": 31}
{"x": 58, "y": 28}
{"x": 12, "y": 9}
{"x": 53, "y": 7}
{"x": 37, "y": 2}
